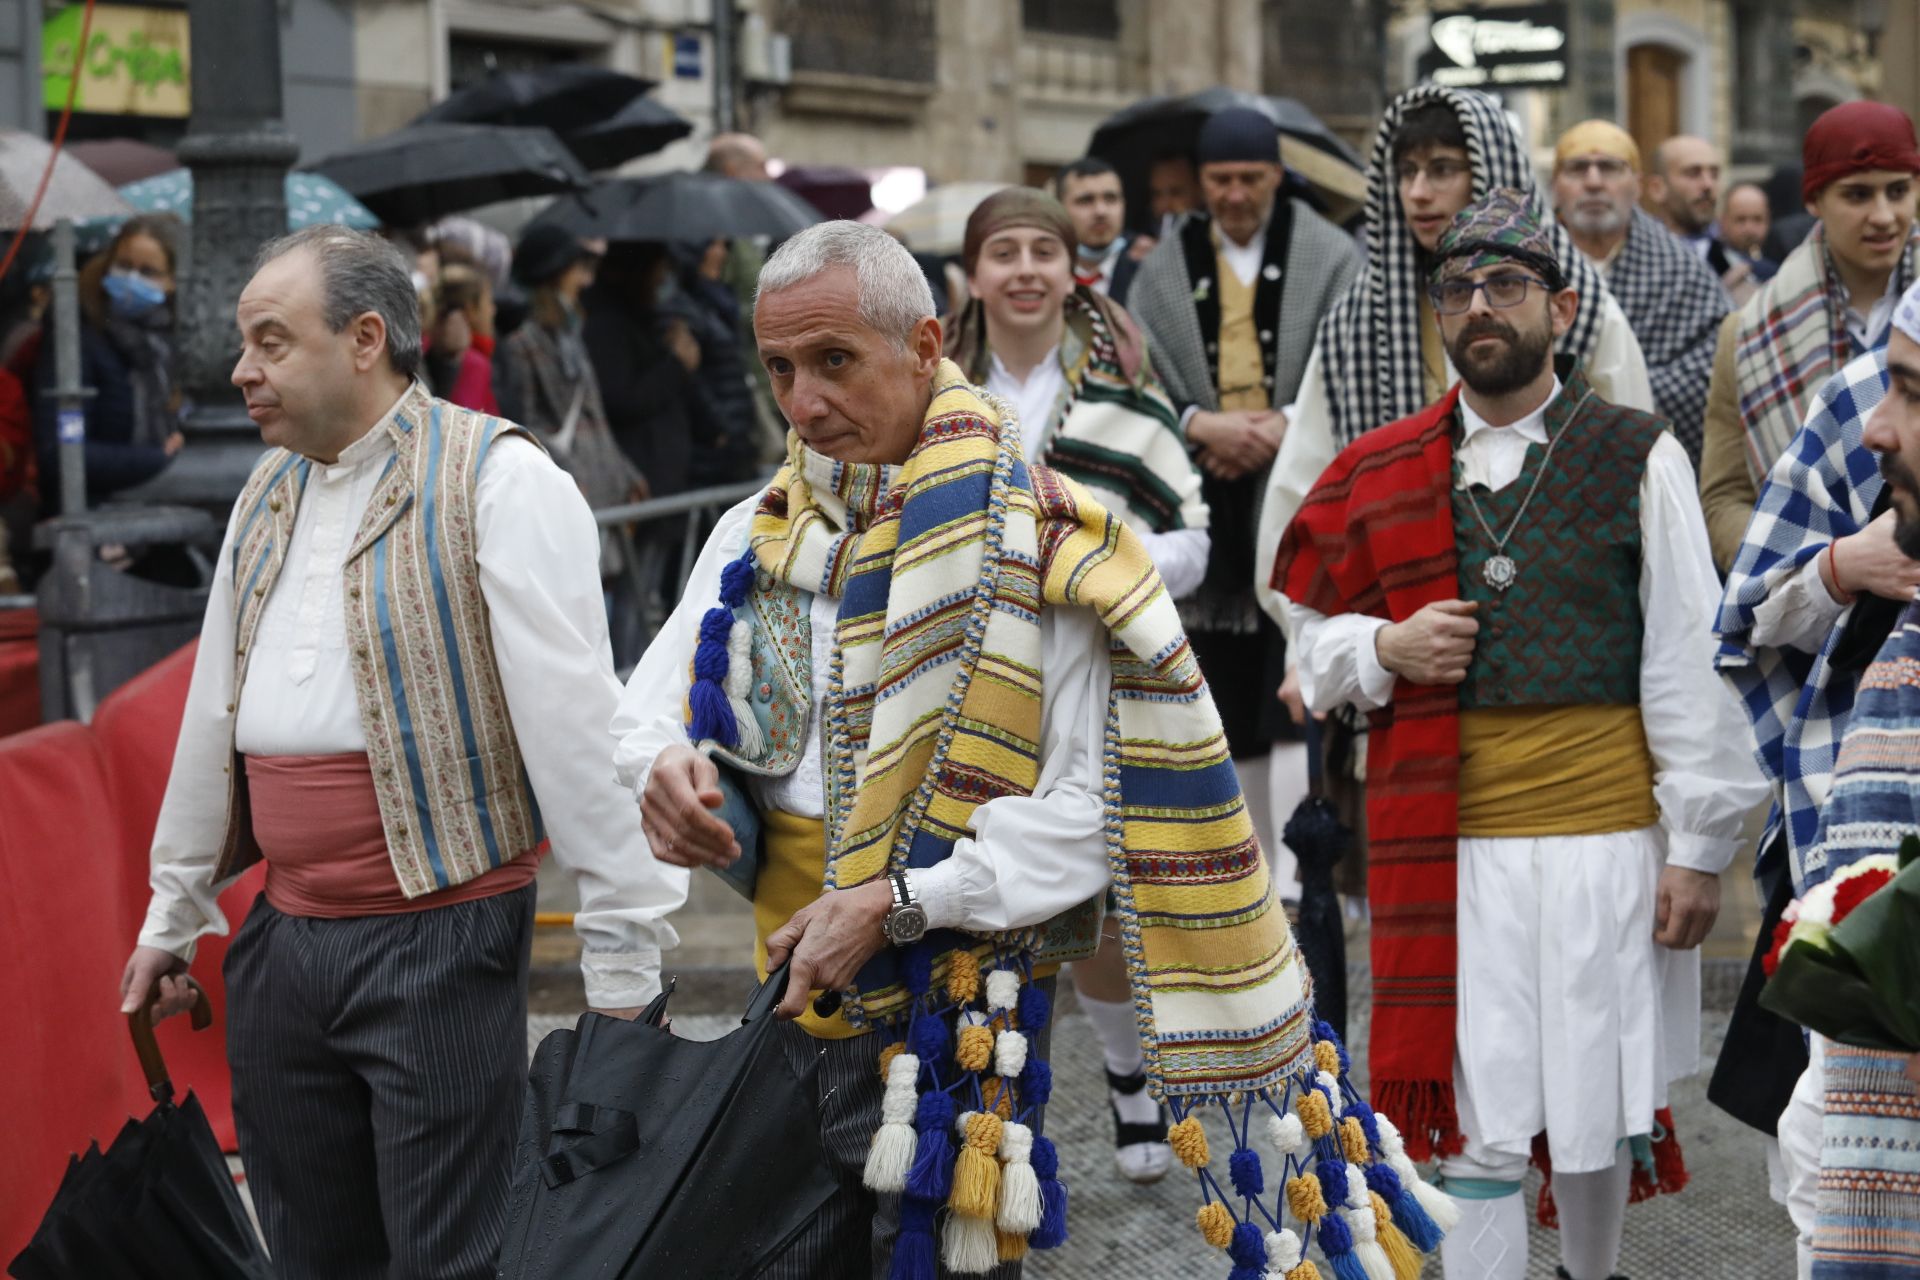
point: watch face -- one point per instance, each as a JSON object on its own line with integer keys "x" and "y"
{"x": 906, "y": 923}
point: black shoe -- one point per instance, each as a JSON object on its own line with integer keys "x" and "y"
{"x": 1564, "y": 1274}
{"x": 1140, "y": 1150}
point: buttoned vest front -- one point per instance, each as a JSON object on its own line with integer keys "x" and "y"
{"x": 453, "y": 791}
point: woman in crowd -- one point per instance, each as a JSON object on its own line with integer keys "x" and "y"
{"x": 646, "y": 360}
{"x": 126, "y": 356}
{"x": 1073, "y": 366}
{"x": 543, "y": 379}
{"x": 459, "y": 357}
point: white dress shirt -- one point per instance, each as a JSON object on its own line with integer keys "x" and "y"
{"x": 538, "y": 555}
{"x": 1705, "y": 780}
{"x": 1245, "y": 259}
{"x": 1029, "y": 858}
{"x": 1179, "y": 554}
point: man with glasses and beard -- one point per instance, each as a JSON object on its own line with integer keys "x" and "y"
{"x": 1672, "y": 299}
{"x": 1515, "y": 584}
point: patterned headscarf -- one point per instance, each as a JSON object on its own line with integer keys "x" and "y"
{"x": 1370, "y": 340}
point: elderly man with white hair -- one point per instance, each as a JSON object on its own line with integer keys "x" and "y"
{"x": 927, "y": 705}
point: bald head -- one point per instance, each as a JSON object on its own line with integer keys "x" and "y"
{"x": 737, "y": 155}
{"x": 1744, "y": 222}
{"x": 1683, "y": 183}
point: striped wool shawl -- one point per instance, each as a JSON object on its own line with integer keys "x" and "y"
{"x": 934, "y": 708}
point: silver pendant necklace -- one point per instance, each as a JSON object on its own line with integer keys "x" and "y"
{"x": 1500, "y": 570}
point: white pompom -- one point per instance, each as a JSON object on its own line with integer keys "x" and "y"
{"x": 1287, "y": 1134}
{"x": 890, "y": 1156}
{"x": 1372, "y": 1258}
{"x": 1283, "y": 1250}
{"x": 1018, "y": 1210}
{"x": 969, "y": 1246}
{"x": 1390, "y": 1141}
{"x": 1358, "y": 1194}
{"x": 1328, "y": 1082}
{"x": 1360, "y": 1222}
{"x": 1009, "y": 1053}
{"x": 739, "y": 689}
{"x": 903, "y": 1070}
{"x": 1438, "y": 1204}
{"x": 1003, "y": 989}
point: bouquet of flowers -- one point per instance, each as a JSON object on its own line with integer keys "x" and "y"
{"x": 1846, "y": 956}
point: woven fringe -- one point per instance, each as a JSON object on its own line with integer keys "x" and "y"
{"x": 1425, "y": 1114}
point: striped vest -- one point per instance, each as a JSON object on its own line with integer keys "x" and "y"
{"x": 454, "y": 796}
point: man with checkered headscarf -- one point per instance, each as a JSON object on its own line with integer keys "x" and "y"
{"x": 1514, "y": 584}
{"x": 1378, "y": 356}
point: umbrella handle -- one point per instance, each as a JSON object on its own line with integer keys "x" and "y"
{"x": 766, "y": 997}
{"x": 140, "y": 1025}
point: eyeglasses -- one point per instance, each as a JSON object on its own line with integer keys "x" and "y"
{"x": 1452, "y": 297}
{"x": 1440, "y": 173}
{"x": 1610, "y": 167}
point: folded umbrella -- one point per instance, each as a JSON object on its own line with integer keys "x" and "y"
{"x": 568, "y": 95}
{"x": 645, "y": 1155}
{"x": 426, "y": 171}
{"x": 157, "y": 1204}
{"x": 1134, "y": 137}
{"x": 682, "y": 206}
{"x": 1319, "y": 840}
{"x": 640, "y": 128}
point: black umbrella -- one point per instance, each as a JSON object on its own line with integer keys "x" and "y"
{"x": 1132, "y": 138}
{"x": 682, "y": 206}
{"x": 567, "y": 95}
{"x": 158, "y": 1203}
{"x": 424, "y": 172}
{"x": 1318, "y": 840}
{"x": 640, "y": 128}
{"x": 645, "y": 1155}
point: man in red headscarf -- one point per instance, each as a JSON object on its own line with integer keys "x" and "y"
{"x": 1832, "y": 300}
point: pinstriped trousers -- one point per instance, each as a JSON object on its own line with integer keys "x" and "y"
{"x": 379, "y": 1065}
{"x": 852, "y": 1236}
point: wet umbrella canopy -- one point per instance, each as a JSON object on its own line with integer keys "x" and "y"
{"x": 75, "y": 191}
{"x": 682, "y": 206}
{"x": 157, "y": 1204}
{"x": 1134, "y": 137}
{"x": 640, "y": 128}
{"x": 645, "y": 1155}
{"x": 426, "y": 171}
{"x": 571, "y": 95}
{"x": 311, "y": 199}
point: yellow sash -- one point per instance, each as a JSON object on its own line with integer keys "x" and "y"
{"x": 791, "y": 872}
{"x": 1554, "y": 771}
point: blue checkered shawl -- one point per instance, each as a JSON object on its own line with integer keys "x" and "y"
{"x": 1821, "y": 489}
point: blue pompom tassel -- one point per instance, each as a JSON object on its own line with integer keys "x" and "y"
{"x": 1036, "y": 1081}
{"x": 1052, "y": 1231}
{"x": 711, "y": 714}
{"x": 1243, "y": 1169}
{"x": 916, "y": 969}
{"x": 736, "y": 579}
{"x": 1413, "y": 1220}
{"x": 915, "y": 1251}
{"x": 1346, "y": 1266}
{"x": 1324, "y": 1031}
{"x": 931, "y": 1175}
{"x": 1369, "y": 1123}
{"x": 1333, "y": 1180}
{"x": 927, "y": 1036}
{"x": 1033, "y": 1009}
{"x": 1248, "y": 1248}
{"x": 1336, "y": 1241}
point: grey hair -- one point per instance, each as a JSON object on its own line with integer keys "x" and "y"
{"x": 894, "y": 295}
{"x": 360, "y": 272}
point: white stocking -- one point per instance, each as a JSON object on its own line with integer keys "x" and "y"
{"x": 1593, "y": 1212}
{"x": 1253, "y": 789}
{"x": 1490, "y": 1242}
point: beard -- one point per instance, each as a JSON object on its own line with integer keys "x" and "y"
{"x": 1906, "y": 529}
{"x": 1596, "y": 220}
{"x": 1508, "y": 369}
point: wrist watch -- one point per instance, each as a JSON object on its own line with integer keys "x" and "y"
{"x": 906, "y": 920}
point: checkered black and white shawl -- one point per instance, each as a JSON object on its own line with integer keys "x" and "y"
{"x": 1370, "y": 340}
{"x": 1821, "y": 489}
{"x": 1674, "y": 305}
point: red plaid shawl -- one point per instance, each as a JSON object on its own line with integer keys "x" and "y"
{"x": 1375, "y": 536}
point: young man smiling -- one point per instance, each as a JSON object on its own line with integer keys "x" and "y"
{"x": 1832, "y": 300}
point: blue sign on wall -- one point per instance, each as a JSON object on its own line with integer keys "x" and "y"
{"x": 686, "y": 57}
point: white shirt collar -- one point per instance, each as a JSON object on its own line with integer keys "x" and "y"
{"x": 1533, "y": 427}
{"x": 376, "y": 443}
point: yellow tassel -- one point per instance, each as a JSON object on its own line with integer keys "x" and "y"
{"x": 997, "y": 1097}
{"x": 1189, "y": 1142}
{"x": 888, "y": 1054}
{"x": 1315, "y": 1114}
{"x": 1305, "y": 1271}
{"x": 1304, "y": 1198}
{"x": 1216, "y": 1224}
{"x": 1401, "y": 1255}
{"x": 1013, "y": 1246}
{"x": 1353, "y": 1140}
{"x": 963, "y": 977}
{"x": 975, "y": 1049}
{"x": 976, "y": 1174}
{"x": 1326, "y": 1058}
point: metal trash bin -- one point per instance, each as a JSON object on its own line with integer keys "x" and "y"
{"x": 99, "y": 625}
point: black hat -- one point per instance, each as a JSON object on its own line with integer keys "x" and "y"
{"x": 1238, "y": 135}
{"x": 544, "y": 252}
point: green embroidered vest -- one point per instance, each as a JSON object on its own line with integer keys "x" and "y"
{"x": 1568, "y": 631}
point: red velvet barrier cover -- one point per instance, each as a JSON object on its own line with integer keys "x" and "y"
{"x": 19, "y": 670}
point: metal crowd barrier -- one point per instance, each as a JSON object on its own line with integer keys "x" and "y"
{"x": 658, "y": 541}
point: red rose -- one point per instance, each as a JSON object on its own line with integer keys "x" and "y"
{"x": 1772, "y": 959}
{"x": 1850, "y": 893}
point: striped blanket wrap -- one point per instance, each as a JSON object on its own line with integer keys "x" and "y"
{"x": 1869, "y": 1198}
{"x": 933, "y": 709}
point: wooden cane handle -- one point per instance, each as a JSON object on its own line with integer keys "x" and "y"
{"x": 140, "y": 1025}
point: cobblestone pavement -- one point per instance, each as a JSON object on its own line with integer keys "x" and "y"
{"x": 1723, "y": 1227}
